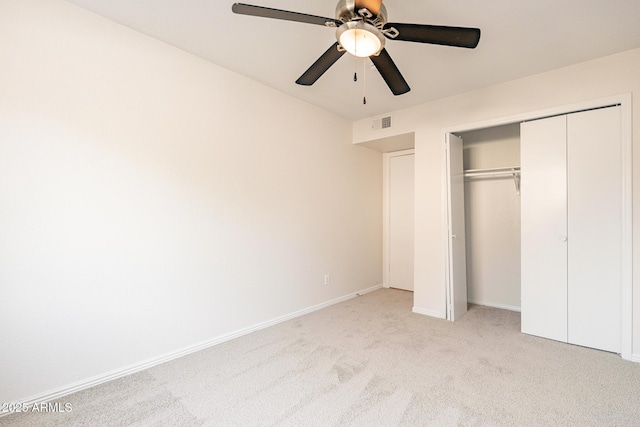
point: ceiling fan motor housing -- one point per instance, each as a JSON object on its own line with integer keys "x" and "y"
{"x": 359, "y": 22}
{"x": 349, "y": 10}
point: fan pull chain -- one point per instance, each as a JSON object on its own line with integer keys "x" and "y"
{"x": 364, "y": 81}
{"x": 355, "y": 66}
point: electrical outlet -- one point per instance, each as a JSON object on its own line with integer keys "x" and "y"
{"x": 327, "y": 279}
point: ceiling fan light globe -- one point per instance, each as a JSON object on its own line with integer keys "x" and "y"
{"x": 360, "y": 39}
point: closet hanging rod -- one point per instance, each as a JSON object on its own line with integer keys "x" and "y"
{"x": 514, "y": 172}
{"x": 492, "y": 171}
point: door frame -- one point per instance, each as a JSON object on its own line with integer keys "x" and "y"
{"x": 625, "y": 102}
{"x": 386, "y": 158}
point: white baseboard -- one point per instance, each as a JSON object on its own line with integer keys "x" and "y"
{"x": 366, "y": 291}
{"x": 500, "y": 306}
{"x": 149, "y": 363}
{"x": 635, "y": 358}
{"x": 426, "y": 312}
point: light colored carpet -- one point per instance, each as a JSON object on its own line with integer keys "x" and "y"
{"x": 371, "y": 362}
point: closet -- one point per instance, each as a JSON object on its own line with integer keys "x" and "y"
{"x": 492, "y": 216}
{"x": 487, "y": 236}
{"x": 572, "y": 192}
{"x": 574, "y": 181}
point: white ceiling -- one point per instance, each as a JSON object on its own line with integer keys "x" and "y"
{"x": 519, "y": 38}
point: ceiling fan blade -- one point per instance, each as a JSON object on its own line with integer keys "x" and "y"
{"x": 390, "y": 73}
{"x": 372, "y": 5}
{"x": 321, "y": 65}
{"x": 435, "y": 34}
{"x": 267, "y": 12}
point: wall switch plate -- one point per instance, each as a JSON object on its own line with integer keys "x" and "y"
{"x": 327, "y": 279}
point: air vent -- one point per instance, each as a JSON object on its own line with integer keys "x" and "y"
{"x": 381, "y": 123}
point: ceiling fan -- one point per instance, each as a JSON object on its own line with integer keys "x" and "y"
{"x": 362, "y": 28}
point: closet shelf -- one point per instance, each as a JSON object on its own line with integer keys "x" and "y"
{"x": 496, "y": 172}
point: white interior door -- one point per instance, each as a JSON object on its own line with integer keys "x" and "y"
{"x": 543, "y": 157}
{"x": 401, "y": 207}
{"x": 457, "y": 250}
{"x": 595, "y": 231}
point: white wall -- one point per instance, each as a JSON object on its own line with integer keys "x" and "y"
{"x": 151, "y": 201}
{"x": 599, "y": 78}
{"x": 492, "y": 218}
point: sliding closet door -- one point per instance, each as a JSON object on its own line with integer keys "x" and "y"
{"x": 544, "y": 227}
{"x": 595, "y": 235}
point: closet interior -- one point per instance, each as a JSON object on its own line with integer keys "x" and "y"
{"x": 491, "y": 162}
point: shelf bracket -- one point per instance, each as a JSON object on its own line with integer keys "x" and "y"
{"x": 516, "y": 181}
